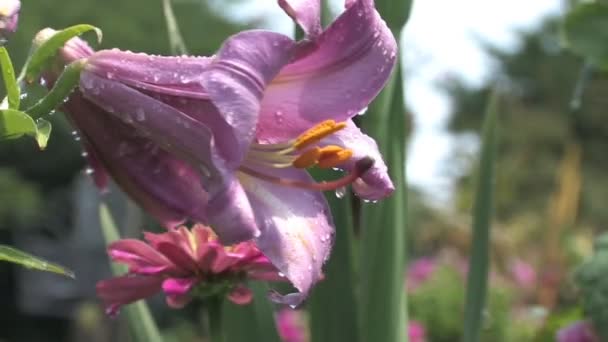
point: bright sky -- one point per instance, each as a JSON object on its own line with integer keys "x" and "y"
{"x": 441, "y": 40}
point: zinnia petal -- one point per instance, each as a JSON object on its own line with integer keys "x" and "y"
{"x": 297, "y": 229}
{"x": 120, "y": 291}
{"x": 333, "y": 77}
{"x": 240, "y": 295}
{"x": 139, "y": 256}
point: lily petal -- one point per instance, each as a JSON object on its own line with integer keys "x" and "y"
{"x": 306, "y": 13}
{"x": 376, "y": 183}
{"x": 237, "y": 77}
{"x": 297, "y": 229}
{"x": 120, "y": 291}
{"x": 333, "y": 77}
{"x": 167, "y": 188}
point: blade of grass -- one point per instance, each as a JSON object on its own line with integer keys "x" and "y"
{"x": 477, "y": 279}
{"x": 27, "y": 260}
{"x": 141, "y": 324}
{"x": 383, "y": 253}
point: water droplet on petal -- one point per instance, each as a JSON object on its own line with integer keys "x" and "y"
{"x": 140, "y": 114}
{"x": 281, "y": 274}
{"x": 89, "y": 171}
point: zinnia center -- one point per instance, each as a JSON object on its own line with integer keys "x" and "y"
{"x": 303, "y": 153}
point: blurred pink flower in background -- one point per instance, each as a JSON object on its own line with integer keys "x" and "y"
{"x": 523, "y": 274}
{"x": 580, "y": 331}
{"x": 182, "y": 263}
{"x": 9, "y": 17}
{"x": 290, "y": 326}
{"x": 416, "y": 332}
{"x": 419, "y": 271}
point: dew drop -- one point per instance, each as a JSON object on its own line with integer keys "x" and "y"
{"x": 84, "y": 154}
{"x": 281, "y": 274}
{"x": 88, "y": 171}
{"x": 341, "y": 192}
{"x": 140, "y": 115}
{"x": 278, "y": 115}
{"x": 363, "y": 111}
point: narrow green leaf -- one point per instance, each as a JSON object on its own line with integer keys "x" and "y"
{"x": 47, "y": 49}
{"x": 43, "y": 132}
{"x": 477, "y": 279}
{"x": 585, "y": 31}
{"x": 16, "y": 256}
{"x": 333, "y": 305}
{"x": 14, "y": 124}
{"x": 141, "y": 324}
{"x": 383, "y": 254}
{"x": 67, "y": 81}
{"x": 10, "y": 83}
{"x": 176, "y": 41}
{"x": 253, "y": 322}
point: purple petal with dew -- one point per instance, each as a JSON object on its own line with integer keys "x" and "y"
{"x": 333, "y": 77}
{"x": 297, "y": 229}
{"x": 306, "y": 13}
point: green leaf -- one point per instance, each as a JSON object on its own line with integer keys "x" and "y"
{"x": 10, "y": 83}
{"x": 43, "y": 132}
{"x": 14, "y": 124}
{"x": 585, "y": 31}
{"x": 394, "y": 12}
{"x": 67, "y": 81}
{"x": 47, "y": 49}
{"x": 383, "y": 253}
{"x": 333, "y": 304}
{"x": 253, "y": 322}
{"x": 141, "y": 324}
{"x": 477, "y": 279}
{"x": 16, "y": 256}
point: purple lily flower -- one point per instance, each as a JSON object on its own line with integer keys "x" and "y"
{"x": 233, "y": 134}
{"x": 9, "y": 17}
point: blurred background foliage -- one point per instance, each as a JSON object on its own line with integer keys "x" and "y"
{"x": 550, "y": 196}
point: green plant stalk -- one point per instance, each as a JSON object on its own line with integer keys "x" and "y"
{"x": 383, "y": 253}
{"x": 333, "y": 304}
{"x": 176, "y": 41}
{"x": 214, "y": 316}
{"x": 477, "y": 279}
{"x": 252, "y": 322}
{"x": 140, "y": 321}
{"x": 13, "y": 93}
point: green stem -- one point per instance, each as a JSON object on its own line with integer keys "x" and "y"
{"x": 214, "y": 316}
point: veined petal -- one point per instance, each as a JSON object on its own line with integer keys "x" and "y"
{"x": 119, "y": 291}
{"x": 297, "y": 229}
{"x": 333, "y": 77}
{"x": 376, "y": 183}
{"x": 167, "y": 188}
{"x": 171, "y": 75}
{"x": 306, "y": 13}
{"x": 139, "y": 256}
{"x": 237, "y": 78}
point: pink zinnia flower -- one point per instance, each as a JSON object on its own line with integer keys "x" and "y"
{"x": 416, "y": 332}
{"x": 523, "y": 274}
{"x": 580, "y": 331}
{"x": 180, "y": 261}
{"x": 419, "y": 271}
{"x": 290, "y": 326}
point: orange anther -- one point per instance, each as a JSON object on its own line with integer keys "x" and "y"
{"x": 318, "y": 132}
{"x": 308, "y": 158}
{"x": 332, "y": 157}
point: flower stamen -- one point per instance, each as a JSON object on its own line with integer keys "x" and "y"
{"x": 318, "y": 132}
